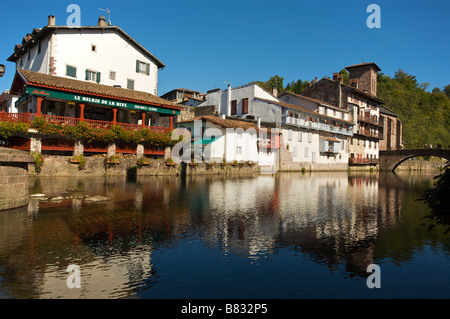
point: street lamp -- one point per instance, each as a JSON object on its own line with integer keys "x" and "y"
{"x": 2, "y": 70}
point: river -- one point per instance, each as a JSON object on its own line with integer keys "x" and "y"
{"x": 291, "y": 235}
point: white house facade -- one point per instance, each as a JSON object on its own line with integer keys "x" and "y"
{"x": 308, "y": 138}
{"x": 104, "y": 54}
{"x": 219, "y": 140}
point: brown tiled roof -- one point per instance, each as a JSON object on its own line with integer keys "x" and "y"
{"x": 329, "y": 139}
{"x": 313, "y": 100}
{"x": 299, "y": 108}
{"x": 226, "y": 123}
{"x": 92, "y": 88}
{"x": 38, "y": 34}
{"x": 365, "y": 94}
{"x": 363, "y": 64}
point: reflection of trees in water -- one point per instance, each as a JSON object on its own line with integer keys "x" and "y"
{"x": 344, "y": 221}
{"x": 113, "y": 239}
{"x": 437, "y": 199}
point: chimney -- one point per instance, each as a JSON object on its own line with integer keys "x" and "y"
{"x": 229, "y": 100}
{"x": 102, "y": 22}
{"x": 275, "y": 91}
{"x": 335, "y": 76}
{"x": 51, "y": 20}
{"x": 354, "y": 83}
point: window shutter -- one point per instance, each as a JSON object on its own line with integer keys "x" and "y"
{"x": 98, "y": 77}
{"x": 87, "y": 75}
{"x": 147, "y": 69}
{"x": 244, "y": 106}
{"x": 137, "y": 66}
{"x": 233, "y": 107}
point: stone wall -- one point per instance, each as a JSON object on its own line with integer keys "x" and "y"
{"x": 13, "y": 178}
{"x": 128, "y": 165}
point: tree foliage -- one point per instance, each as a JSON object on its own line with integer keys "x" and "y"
{"x": 425, "y": 115}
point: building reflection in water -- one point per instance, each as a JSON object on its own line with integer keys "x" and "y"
{"x": 331, "y": 218}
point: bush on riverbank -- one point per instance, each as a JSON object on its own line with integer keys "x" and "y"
{"x": 83, "y": 131}
{"x": 437, "y": 199}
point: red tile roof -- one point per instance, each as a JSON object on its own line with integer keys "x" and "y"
{"x": 92, "y": 88}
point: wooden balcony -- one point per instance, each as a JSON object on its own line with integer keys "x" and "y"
{"x": 370, "y": 133}
{"x": 370, "y": 120}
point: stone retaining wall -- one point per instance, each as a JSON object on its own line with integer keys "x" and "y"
{"x": 128, "y": 165}
{"x": 13, "y": 178}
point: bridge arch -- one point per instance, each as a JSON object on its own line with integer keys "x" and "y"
{"x": 390, "y": 160}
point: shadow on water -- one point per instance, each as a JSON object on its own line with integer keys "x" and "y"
{"x": 437, "y": 200}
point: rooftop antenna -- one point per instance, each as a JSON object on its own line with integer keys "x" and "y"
{"x": 108, "y": 13}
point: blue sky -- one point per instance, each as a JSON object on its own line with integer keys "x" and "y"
{"x": 207, "y": 44}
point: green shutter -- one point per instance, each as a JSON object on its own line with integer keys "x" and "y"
{"x": 137, "y": 66}
{"x": 147, "y": 69}
{"x": 87, "y": 75}
{"x": 71, "y": 71}
{"x": 98, "y": 77}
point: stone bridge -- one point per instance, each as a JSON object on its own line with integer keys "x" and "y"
{"x": 389, "y": 160}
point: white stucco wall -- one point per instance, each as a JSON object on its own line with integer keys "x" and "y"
{"x": 112, "y": 53}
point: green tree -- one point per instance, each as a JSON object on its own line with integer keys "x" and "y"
{"x": 425, "y": 115}
{"x": 275, "y": 81}
{"x": 297, "y": 87}
{"x": 447, "y": 90}
{"x": 345, "y": 76}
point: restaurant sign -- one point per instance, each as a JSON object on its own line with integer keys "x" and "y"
{"x": 97, "y": 100}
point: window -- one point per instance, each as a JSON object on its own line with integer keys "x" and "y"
{"x": 300, "y": 133}
{"x": 29, "y": 54}
{"x": 142, "y": 67}
{"x": 71, "y": 71}
{"x": 313, "y": 159}
{"x": 112, "y": 75}
{"x": 130, "y": 84}
{"x": 306, "y": 152}
{"x": 93, "y": 48}
{"x": 233, "y": 107}
{"x": 294, "y": 152}
{"x": 93, "y": 76}
{"x": 290, "y": 135}
{"x": 39, "y": 46}
{"x": 309, "y": 137}
{"x": 244, "y": 106}
{"x": 239, "y": 150}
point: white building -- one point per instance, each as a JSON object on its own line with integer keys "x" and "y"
{"x": 104, "y": 54}
{"x": 361, "y": 101}
{"x": 220, "y": 140}
{"x": 310, "y": 138}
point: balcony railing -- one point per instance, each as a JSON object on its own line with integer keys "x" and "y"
{"x": 305, "y": 123}
{"x": 70, "y": 121}
{"x": 371, "y": 120}
{"x": 370, "y": 133}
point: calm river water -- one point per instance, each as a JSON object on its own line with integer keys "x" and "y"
{"x": 284, "y": 236}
